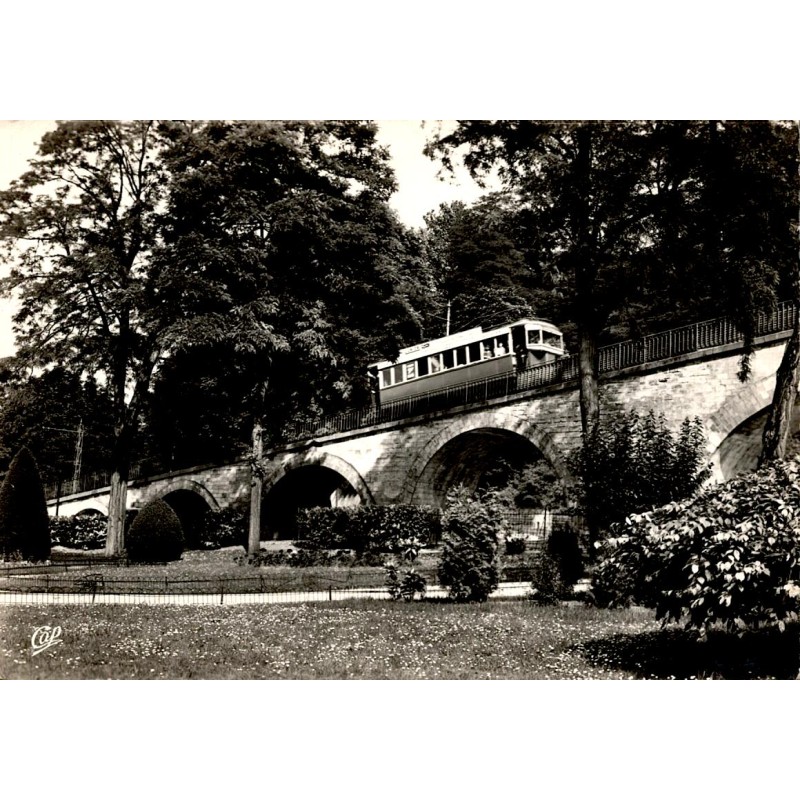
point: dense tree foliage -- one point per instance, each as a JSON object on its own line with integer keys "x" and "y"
{"x": 24, "y": 523}
{"x": 484, "y": 261}
{"x": 289, "y": 228}
{"x": 195, "y": 412}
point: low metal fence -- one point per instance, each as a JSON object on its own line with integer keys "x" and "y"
{"x": 94, "y": 589}
{"x": 65, "y": 565}
{"x": 540, "y": 524}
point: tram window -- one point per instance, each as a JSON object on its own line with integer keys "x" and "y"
{"x": 552, "y": 339}
{"x": 398, "y": 373}
{"x": 386, "y": 377}
{"x": 435, "y": 362}
{"x": 411, "y": 370}
{"x": 422, "y": 366}
{"x": 534, "y": 337}
{"x": 461, "y": 356}
{"x": 502, "y": 345}
{"x": 488, "y": 348}
{"x": 449, "y": 359}
{"x": 475, "y": 352}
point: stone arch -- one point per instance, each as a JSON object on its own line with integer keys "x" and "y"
{"x": 316, "y": 479}
{"x": 179, "y": 484}
{"x": 327, "y": 460}
{"x": 93, "y": 506}
{"x": 737, "y": 415}
{"x": 418, "y": 483}
{"x": 191, "y": 501}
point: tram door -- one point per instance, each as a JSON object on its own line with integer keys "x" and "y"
{"x": 519, "y": 344}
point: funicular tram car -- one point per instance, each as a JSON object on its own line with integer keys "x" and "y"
{"x": 471, "y": 355}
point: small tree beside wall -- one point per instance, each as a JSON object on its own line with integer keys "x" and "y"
{"x": 635, "y": 463}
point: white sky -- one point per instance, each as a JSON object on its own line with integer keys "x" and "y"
{"x": 419, "y": 188}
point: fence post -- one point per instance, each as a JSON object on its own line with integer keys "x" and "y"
{"x": 221, "y": 591}
{"x": 330, "y": 592}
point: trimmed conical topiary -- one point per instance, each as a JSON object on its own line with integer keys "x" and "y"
{"x": 24, "y": 523}
{"x": 155, "y": 534}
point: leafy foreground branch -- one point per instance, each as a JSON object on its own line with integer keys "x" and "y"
{"x": 728, "y": 559}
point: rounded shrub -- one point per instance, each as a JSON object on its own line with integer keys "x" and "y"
{"x": 24, "y": 522}
{"x": 155, "y": 534}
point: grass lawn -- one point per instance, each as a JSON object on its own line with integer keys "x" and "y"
{"x": 374, "y": 639}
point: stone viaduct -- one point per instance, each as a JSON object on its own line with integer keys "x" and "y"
{"x": 416, "y": 459}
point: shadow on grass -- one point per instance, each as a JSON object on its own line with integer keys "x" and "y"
{"x": 674, "y": 653}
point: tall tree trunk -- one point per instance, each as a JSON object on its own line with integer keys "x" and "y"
{"x": 589, "y": 392}
{"x": 118, "y": 494}
{"x": 256, "y": 470}
{"x": 776, "y": 428}
{"x": 117, "y": 501}
{"x": 585, "y": 285}
{"x": 587, "y": 312}
{"x": 590, "y": 419}
{"x": 256, "y": 482}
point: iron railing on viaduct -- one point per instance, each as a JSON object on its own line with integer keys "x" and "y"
{"x": 633, "y": 353}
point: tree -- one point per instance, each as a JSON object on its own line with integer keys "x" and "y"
{"x": 583, "y": 183}
{"x": 288, "y": 227}
{"x": 668, "y": 220}
{"x": 80, "y": 227}
{"x": 484, "y": 269}
{"x": 786, "y": 243}
{"x": 24, "y": 522}
{"x": 635, "y": 463}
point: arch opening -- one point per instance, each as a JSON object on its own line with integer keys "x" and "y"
{"x": 489, "y": 458}
{"x": 739, "y": 452}
{"x": 192, "y": 510}
{"x": 307, "y": 486}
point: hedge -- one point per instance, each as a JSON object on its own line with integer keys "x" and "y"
{"x": 82, "y": 532}
{"x": 367, "y": 528}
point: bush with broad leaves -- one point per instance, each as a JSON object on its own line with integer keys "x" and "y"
{"x": 471, "y": 527}
{"x": 728, "y": 558}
